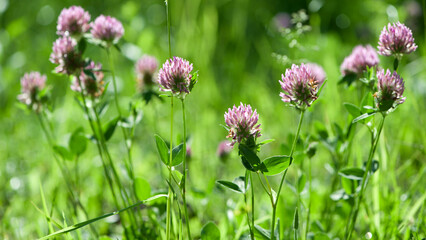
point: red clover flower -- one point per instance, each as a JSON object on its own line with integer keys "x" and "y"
{"x": 223, "y": 149}
{"x": 92, "y": 87}
{"x": 300, "y": 86}
{"x": 242, "y": 123}
{"x": 31, "y": 84}
{"x": 396, "y": 40}
{"x": 175, "y": 77}
{"x": 317, "y": 71}
{"x": 360, "y": 58}
{"x": 390, "y": 88}
{"x": 73, "y": 21}
{"x": 145, "y": 69}
{"x": 107, "y": 29}
{"x": 66, "y": 55}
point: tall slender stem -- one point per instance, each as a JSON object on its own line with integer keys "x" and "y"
{"x": 99, "y": 135}
{"x": 127, "y": 141}
{"x": 123, "y": 193}
{"x": 252, "y": 206}
{"x": 364, "y": 181}
{"x": 274, "y": 205}
{"x": 169, "y": 20}
{"x": 308, "y": 216}
{"x": 246, "y": 182}
{"x": 184, "y": 170}
{"x": 169, "y": 199}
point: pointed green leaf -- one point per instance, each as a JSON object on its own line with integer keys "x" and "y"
{"x": 349, "y": 185}
{"x": 210, "y": 232}
{"x": 177, "y": 175}
{"x": 261, "y": 233}
{"x": 275, "y": 165}
{"x": 363, "y": 116}
{"x": 301, "y": 183}
{"x": 352, "y": 109}
{"x": 266, "y": 142}
{"x": 296, "y": 219}
{"x": 352, "y": 173}
{"x": 162, "y": 149}
{"x": 142, "y": 188}
{"x": 177, "y": 153}
{"x": 234, "y": 187}
{"x": 241, "y": 183}
{"x": 110, "y": 128}
{"x": 63, "y": 152}
{"x": 77, "y": 142}
{"x": 250, "y": 159}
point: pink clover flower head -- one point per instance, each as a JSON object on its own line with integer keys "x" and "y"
{"x": 224, "y": 149}
{"x": 300, "y": 86}
{"x": 66, "y": 55}
{"x": 31, "y": 84}
{"x": 358, "y": 61}
{"x": 317, "y": 71}
{"x": 107, "y": 29}
{"x": 390, "y": 87}
{"x": 145, "y": 69}
{"x": 242, "y": 123}
{"x": 396, "y": 40}
{"x": 73, "y": 21}
{"x": 92, "y": 79}
{"x": 175, "y": 77}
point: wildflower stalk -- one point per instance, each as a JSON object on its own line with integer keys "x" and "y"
{"x": 170, "y": 193}
{"x": 274, "y": 205}
{"x": 127, "y": 140}
{"x": 308, "y": 215}
{"x": 123, "y": 192}
{"x": 98, "y": 137}
{"x": 252, "y": 207}
{"x": 364, "y": 181}
{"x": 246, "y": 204}
{"x": 184, "y": 169}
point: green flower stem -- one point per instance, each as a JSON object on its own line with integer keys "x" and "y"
{"x": 252, "y": 206}
{"x": 308, "y": 215}
{"x": 127, "y": 140}
{"x": 170, "y": 193}
{"x": 64, "y": 171}
{"x": 275, "y": 203}
{"x": 184, "y": 169}
{"x": 364, "y": 181}
{"x": 246, "y": 204}
{"x": 99, "y": 135}
{"x": 169, "y": 20}
{"x": 123, "y": 193}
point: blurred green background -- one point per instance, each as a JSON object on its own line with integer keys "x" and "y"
{"x": 240, "y": 55}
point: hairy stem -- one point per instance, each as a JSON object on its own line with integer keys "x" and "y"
{"x": 274, "y": 205}
{"x": 169, "y": 199}
{"x": 364, "y": 181}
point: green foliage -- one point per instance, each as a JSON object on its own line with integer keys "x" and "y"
{"x": 275, "y": 165}
{"x": 78, "y": 142}
{"x": 142, "y": 188}
{"x": 210, "y": 232}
